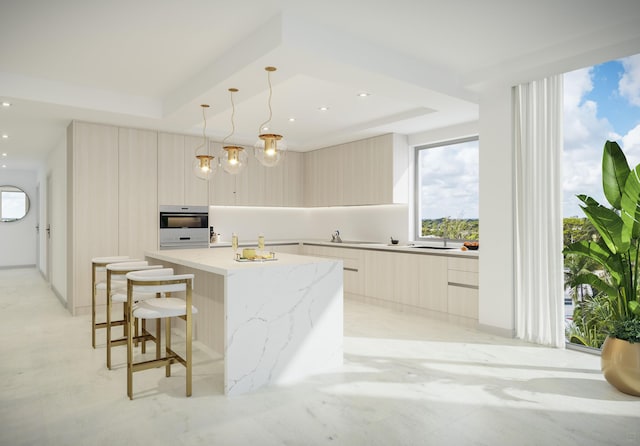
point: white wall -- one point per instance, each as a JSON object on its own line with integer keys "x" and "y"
{"x": 18, "y": 238}
{"x": 56, "y": 172}
{"x": 364, "y": 223}
{"x": 496, "y": 307}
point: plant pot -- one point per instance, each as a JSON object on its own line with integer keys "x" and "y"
{"x": 620, "y": 364}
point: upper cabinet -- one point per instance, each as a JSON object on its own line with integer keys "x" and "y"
{"x": 365, "y": 172}
{"x": 177, "y": 184}
{"x": 257, "y": 185}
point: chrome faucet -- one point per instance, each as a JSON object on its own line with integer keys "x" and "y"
{"x": 335, "y": 237}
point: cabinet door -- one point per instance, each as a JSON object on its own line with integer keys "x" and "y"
{"x": 93, "y": 205}
{"x": 196, "y": 190}
{"x": 293, "y": 194}
{"x": 138, "y": 191}
{"x": 379, "y": 271}
{"x": 171, "y": 169}
{"x": 406, "y": 286}
{"x": 433, "y": 282}
{"x": 222, "y": 187}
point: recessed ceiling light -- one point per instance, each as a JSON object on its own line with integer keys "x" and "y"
{"x": 4, "y": 166}
{"x": 292, "y": 119}
{"x": 323, "y": 108}
{"x": 6, "y": 104}
{"x": 5, "y": 136}
{"x": 363, "y": 94}
{"x": 4, "y": 154}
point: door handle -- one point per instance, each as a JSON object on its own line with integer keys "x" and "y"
{"x": 48, "y": 231}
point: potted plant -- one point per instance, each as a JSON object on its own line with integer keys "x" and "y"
{"x": 617, "y": 250}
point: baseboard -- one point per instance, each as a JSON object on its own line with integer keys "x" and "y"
{"x": 17, "y": 266}
{"x": 498, "y": 331}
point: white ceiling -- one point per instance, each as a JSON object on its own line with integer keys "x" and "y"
{"x": 151, "y": 63}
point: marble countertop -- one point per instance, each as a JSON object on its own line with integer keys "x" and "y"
{"x": 407, "y": 248}
{"x": 221, "y": 261}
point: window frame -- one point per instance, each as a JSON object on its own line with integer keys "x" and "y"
{"x": 416, "y": 185}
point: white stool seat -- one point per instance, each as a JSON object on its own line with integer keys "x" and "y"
{"x": 115, "y": 285}
{"x": 163, "y": 307}
{"x": 137, "y": 297}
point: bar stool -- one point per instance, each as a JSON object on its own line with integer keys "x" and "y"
{"x": 98, "y": 265}
{"x": 116, "y": 281}
{"x": 160, "y": 281}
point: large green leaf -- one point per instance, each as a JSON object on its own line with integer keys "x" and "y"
{"x": 597, "y": 283}
{"x": 600, "y": 253}
{"x": 608, "y": 224}
{"x": 615, "y": 170}
{"x": 630, "y": 205}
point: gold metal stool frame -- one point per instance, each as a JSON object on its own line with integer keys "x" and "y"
{"x": 152, "y": 281}
{"x": 100, "y": 264}
{"x": 122, "y": 269}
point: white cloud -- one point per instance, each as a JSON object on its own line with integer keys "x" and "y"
{"x": 629, "y": 85}
{"x": 584, "y": 137}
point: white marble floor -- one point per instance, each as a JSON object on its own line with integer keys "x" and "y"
{"x": 407, "y": 380}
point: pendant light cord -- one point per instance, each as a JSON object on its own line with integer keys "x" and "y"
{"x": 270, "y": 110}
{"x": 233, "y": 112}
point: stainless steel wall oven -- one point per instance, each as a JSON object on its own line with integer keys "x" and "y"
{"x": 184, "y": 227}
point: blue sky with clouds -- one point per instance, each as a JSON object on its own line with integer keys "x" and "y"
{"x": 600, "y": 103}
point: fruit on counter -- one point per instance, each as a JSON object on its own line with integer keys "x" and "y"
{"x": 471, "y": 245}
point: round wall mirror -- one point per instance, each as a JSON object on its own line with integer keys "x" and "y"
{"x": 14, "y": 203}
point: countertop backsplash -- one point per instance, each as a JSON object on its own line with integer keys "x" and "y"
{"x": 356, "y": 223}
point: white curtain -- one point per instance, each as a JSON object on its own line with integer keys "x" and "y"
{"x": 539, "y": 282}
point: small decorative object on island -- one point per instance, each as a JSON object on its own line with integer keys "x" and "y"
{"x": 234, "y": 245}
{"x": 617, "y": 251}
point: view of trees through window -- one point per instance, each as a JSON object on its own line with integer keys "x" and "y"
{"x": 447, "y": 190}
{"x": 601, "y": 103}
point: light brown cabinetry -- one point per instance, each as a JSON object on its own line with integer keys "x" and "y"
{"x": 177, "y": 183}
{"x": 364, "y": 172}
{"x": 137, "y": 191}
{"x": 440, "y": 286}
{"x": 257, "y": 185}
{"x": 92, "y": 205}
{"x": 462, "y": 289}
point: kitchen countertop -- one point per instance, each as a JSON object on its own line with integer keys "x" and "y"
{"x": 405, "y": 248}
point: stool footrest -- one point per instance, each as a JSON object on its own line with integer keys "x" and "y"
{"x": 113, "y": 323}
{"x": 153, "y": 363}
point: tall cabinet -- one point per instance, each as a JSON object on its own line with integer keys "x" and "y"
{"x": 137, "y": 191}
{"x": 176, "y": 182}
{"x": 92, "y": 205}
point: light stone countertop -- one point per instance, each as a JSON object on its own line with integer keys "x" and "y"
{"x": 455, "y": 251}
{"x": 221, "y": 261}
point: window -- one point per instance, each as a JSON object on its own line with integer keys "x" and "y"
{"x": 447, "y": 190}
{"x": 601, "y": 102}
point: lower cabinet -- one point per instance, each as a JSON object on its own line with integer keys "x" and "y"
{"x": 445, "y": 285}
{"x": 462, "y": 286}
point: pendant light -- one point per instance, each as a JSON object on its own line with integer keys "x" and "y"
{"x": 270, "y": 147}
{"x": 203, "y": 165}
{"x": 234, "y": 158}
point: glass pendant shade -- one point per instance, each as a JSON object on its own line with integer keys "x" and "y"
{"x": 269, "y": 149}
{"x": 235, "y": 160}
{"x": 204, "y": 167}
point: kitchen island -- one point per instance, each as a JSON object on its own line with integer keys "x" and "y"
{"x": 275, "y": 321}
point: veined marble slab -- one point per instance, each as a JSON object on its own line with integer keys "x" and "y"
{"x": 283, "y": 320}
